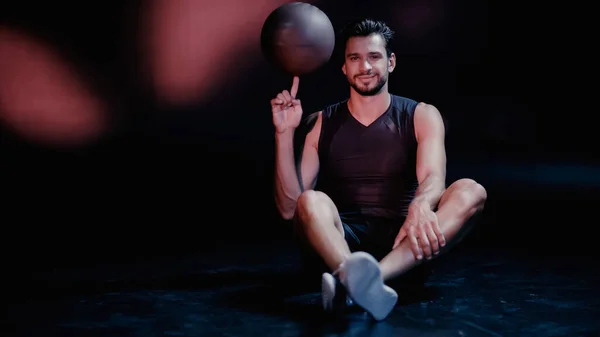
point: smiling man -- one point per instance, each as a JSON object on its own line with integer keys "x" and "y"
{"x": 370, "y": 196}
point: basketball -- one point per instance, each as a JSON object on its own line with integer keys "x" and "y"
{"x": 297, "y": 38}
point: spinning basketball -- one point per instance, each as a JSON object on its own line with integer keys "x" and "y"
{"x": 297, "y": 38}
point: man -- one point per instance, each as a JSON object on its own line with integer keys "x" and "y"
{"x": 380, "y": 205}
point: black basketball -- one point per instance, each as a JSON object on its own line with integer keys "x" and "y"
{"x": 297, "y": 38}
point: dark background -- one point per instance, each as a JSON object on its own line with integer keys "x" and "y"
{"x": 180, "y": 176}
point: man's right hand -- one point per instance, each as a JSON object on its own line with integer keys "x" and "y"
{"x": 286, "y": 109}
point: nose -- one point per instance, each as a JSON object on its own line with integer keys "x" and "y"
{"x": 365, "y": 67}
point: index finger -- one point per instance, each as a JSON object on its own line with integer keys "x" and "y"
{"x": 294, "y": 89}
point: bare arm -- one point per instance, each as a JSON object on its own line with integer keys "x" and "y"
{"x": 431, "y": 156}
{"x": 287, "y": 186}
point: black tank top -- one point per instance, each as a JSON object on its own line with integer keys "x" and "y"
{"x": 369, "y": 171}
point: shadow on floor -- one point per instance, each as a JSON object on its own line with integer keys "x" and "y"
{"x": 298, "y": 297}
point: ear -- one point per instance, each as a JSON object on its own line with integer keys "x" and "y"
{"x": 392, "y": 62}
{"x": 344, "y": 68}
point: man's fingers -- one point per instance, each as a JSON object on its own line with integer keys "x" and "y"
{"x": 440, "y": 236}
{"x": 277, "y": 104}
{"x": 281, "y": 98}
{"x": 414, "y": 246}
{"x": 433, "y": 240}
{"x": 288, "y": 97}
{"x": 425, "y": 245}
{"x": 295, "y": 83}
{"x": 401, "y": 236}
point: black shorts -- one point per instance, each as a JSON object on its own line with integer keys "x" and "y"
{"x": 372, "y": 235}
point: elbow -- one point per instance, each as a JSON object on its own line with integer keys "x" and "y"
{"x": 286, "y": 209}
{"x": 287, "y": 215}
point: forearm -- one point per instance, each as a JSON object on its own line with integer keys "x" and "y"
{"x": 287, "y": 186}
{"x": 429, "y": 192}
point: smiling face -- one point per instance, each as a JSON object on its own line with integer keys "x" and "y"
{"x": 367, "y": 65}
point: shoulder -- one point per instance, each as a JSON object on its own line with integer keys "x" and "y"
{"x": 426, "y": 109}
{"x": 402, "y": 110}
{"x": 404, "y": 104}
{"x": 428, "y": 120}
{"x": 312, "y": 128}
{"x": 312, "y": 118}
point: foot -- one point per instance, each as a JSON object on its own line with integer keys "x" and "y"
{"x": 333, "y": 294}
{"x": 362, "y": 279}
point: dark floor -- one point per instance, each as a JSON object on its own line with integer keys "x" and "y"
{"x": 247, "y": 292}
{"x": 528, "y": 270}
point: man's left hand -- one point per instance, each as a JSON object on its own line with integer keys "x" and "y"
{"x": 421, "y": 228}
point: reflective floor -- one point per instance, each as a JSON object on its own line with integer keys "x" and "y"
{"x": 529, "y": 270}
{"x": 250, "y": 293}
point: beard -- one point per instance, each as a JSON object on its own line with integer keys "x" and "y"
{"x": 366, "y": 90}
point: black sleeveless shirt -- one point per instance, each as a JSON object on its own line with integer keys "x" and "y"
{"x": 369, "y": 171}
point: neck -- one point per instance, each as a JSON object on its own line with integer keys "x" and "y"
{"x": 368, "y": 107}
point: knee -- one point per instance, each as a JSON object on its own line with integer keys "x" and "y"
{"x": 310, "y": 203}
{"x": 471, "y": 195}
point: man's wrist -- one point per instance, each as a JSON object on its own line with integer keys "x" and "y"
{"x": 287, "y": 133}
{"x": 419, "y": 204}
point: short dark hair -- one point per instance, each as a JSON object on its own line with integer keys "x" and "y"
{"x": 366, "y": 27}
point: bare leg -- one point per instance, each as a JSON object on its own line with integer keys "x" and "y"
{"x": 318, "y": 221}
{"x": 460, "y": 201}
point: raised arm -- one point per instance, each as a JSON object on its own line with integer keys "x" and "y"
{"x": 431, "y": 156}
{"x": 293, "y": 178}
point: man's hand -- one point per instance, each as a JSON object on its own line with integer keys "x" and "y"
{"x": 287, "y": 109}
{"x": 421, "y": 228}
